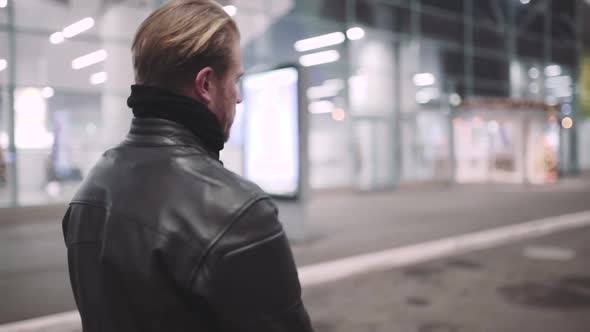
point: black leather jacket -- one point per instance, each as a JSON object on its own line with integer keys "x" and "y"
{"x": 161, "y": 237}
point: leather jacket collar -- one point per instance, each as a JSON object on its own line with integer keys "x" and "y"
{"x": 159, "y": 132}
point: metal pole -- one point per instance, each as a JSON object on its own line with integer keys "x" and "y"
{"x": 414, "y": 50}
{"x": 547, "y": 57}
{"x": 511, "y": 31}
{"x": 397, "y": 137}
{"x": 353, "y": 142}
{"x": 12, "y": 152}
{"x": 468, "y": 50}
{"x": 547, "y": 42}
{"x": 579, "y": 21}
{"x": 512, "y": 56}
{"x": 416, "y": 32}
{"x": 452, "y": 88}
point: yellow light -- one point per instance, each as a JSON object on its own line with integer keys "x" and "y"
{"x": 567, "y": 122}
{"x": 338, "y": 114}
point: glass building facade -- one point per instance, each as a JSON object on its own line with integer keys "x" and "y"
{"x": 384, "y": 96}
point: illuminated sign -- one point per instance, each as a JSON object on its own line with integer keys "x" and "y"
{"x": 271, "y": 131}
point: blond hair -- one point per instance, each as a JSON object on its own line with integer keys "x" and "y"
{"x": 179, "y": 39}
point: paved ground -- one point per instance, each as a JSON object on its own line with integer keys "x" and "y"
{"x": 501, "y": 289}
{"x": 343, "y": 224}
{"x": 33, "y": 274}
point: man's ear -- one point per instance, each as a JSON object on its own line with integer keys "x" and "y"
{"x": 203, "y": 87}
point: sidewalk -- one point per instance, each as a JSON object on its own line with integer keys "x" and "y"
{"x": 345, "y": 224}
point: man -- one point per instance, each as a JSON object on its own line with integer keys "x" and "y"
{"x": 160, "y": 236}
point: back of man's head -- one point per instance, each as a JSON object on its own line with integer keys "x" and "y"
{"x": 179, "y": 39}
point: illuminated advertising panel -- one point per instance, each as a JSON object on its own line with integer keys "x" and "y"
{"x": 271, "y": 131}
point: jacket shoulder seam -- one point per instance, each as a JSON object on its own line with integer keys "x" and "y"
{"x": 90, "y": 202}
{"x": 236, "y": 216}
{"x": 255, "y": 244}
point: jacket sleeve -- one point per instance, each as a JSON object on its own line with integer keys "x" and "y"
{"x": 249, "y": 279}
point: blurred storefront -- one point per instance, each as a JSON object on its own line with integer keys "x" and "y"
{"x": 384, "y": 83}
{"x": 506, "y": 141}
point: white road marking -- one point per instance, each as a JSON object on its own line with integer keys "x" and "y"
{"x": 64, "y": 322}
{"x": 549, "y": 253}
{"x": 380, "y": 261}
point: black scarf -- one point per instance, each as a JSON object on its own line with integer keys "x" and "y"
{"x": 153, "y": 102}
